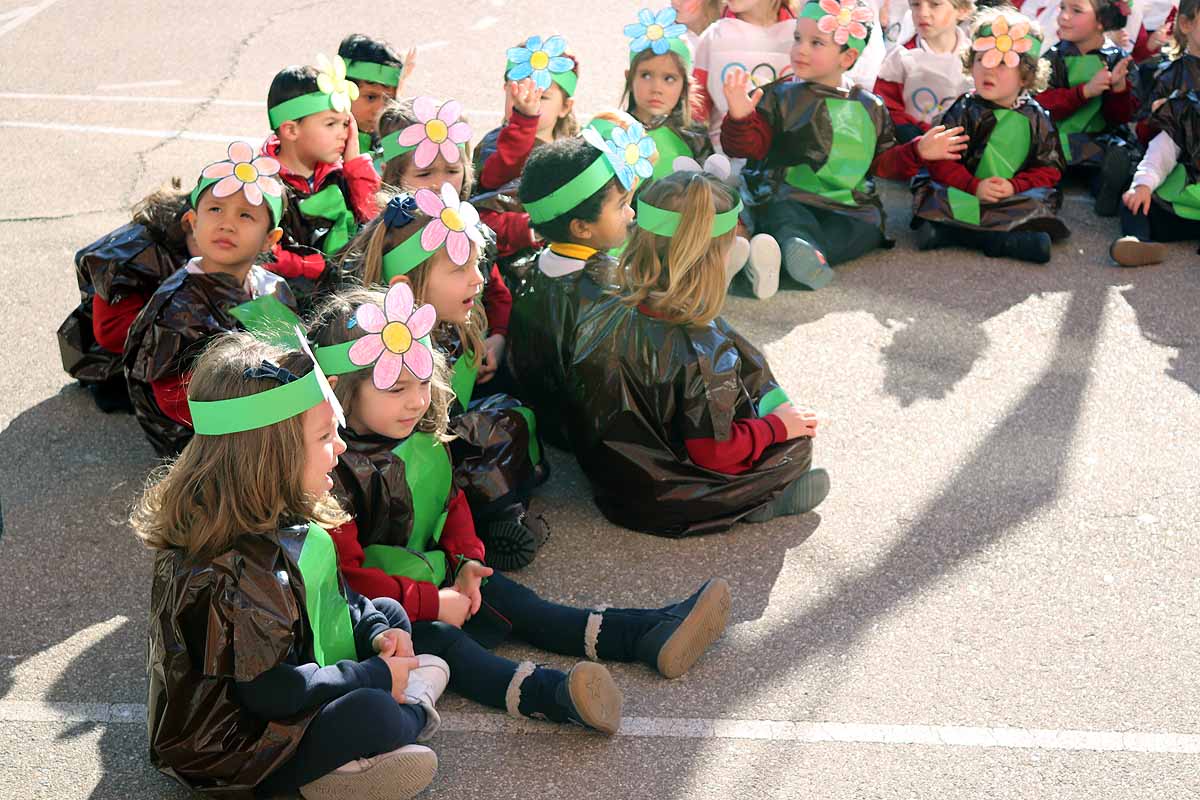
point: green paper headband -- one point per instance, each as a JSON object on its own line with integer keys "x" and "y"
{"x": 274, "y": 204}
{"x": 567, "y": 81}
{"x": 299, "y": 107}
{"x": 665, "y": 223}
{"x": 383, "y": 74}
{"x": 817, "y": 11}
{"x": 405, "y": 257}
{"x": 573, "y": 192}
{"x": 237, "y": 414}
{"x": 677, "y": 46}
{"x": 335, "y": 358}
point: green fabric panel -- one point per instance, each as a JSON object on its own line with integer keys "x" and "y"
{"x": 964, "y": 207}
{"x": 429, "y": 567}
{"x": 429, "y": 475}
{"x": 1007, "y": 147}
{"x": 364, "y": 142}
{"x": 328, "y": 614}
{"x": 535, "y": 450}
{"x": 1183, "y": 197}
{"x": 330, "y": 204}
{"x": 850, "y": 156}
{"x": 1088, "y": 118}
{"x": 463, "y": 379}
{"x": 670, "y": 146}
{"x": 771, "y": 401}
{"x": 268, "y": 318}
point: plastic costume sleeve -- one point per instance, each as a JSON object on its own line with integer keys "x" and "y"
{"x": 1161, "y": 77}
{"x": 177, "y": 322}
{"x": 1086, "y": 134}
{"x": 824, "y": 143}
{"x": 630, "y": 416}
{"x": 307, "y": 231}
{"x": 122, "y": 264}
{"x": 1003, "y": 142}
{"x": 542, "y": 337}
{"x": 226, "y": 621}
{"x": 503, "y": 200}
{"x": 1179, "y": 118}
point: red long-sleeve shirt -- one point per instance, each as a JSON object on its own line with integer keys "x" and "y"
{"x": 1117, "y": 107}
{"x": 513, "y": 146}
{"x": 748, "y": 439}
{"x": 513, "y": 231}
{"x": 497, "y": 302}
{"x": 953, "y": 173}
{"x": 419, "y": 598}
{"x": 110, "y": 322}
{"x": 1141, "y": 47}
{"x": 170, "y": 393}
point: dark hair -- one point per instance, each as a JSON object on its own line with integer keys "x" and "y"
{"x": 1109, "y": 14}
{"x": 1188, "y": 9}
{"x": 161, "y": 213}
{"x": 359, "y": 47}
{"x": 291, "y": 82}
{"x": 552, "y": 166}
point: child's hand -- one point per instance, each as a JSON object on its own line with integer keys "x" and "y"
{"x": 454, "y": 607}
{"x": 741, "y": 103}
{"x": 470, "y": 576}
{"x": 410, "y": 63}
{"x": 525, "y": 97}
{"x": 1157, "y": 104}
{"x": 352, "y": 151}
{"x": 940, "y": 144}
{"x": 1005, "y": 187}
{"x": 1119, "y": 75}
{"x": 493, "y": 351}
{"x": 991, "y": 190}
{"x": 400, "y": 667}
{"x": 798, "y": 422}
{"x": 1121, "y": 38}
{"x": 1160, "y": 37}
{"x": 1138, "y": 199}
{"x": 1098, "y": 85}
{"x": 394, "y": 642}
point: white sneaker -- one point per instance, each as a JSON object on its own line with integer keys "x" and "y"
{"x": 397, "y": 775}
{"x": 763, "y": 267}
{"x": 739, "y": 253}
{"x": 425, "y": 686}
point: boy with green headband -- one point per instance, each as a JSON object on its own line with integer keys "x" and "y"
{"x": 330, "y": 183}
{"x": 816, "y": 147}
{"x": 379, "y": 72}
{"x": 236, "y": 208}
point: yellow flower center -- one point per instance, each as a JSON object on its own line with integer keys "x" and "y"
{"x": 845, "y": 16}
{"x": 1004, "y": 43}
{"x": 436, "y": 131}
{"x": 397, "y": 337}
{"x": 539, "y": 60}
{"x": 452, "y": 220}
{"x": 632, "y": 155}
{"x": 245, "y": 172}
{"x": 654, "y": 32}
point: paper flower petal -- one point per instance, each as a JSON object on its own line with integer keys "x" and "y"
{"x": 450, "y": 197}
{"x": 991, "y": 58}
{"x": 827, "y": 24}
{"x": 227, "y": 186}
{"x": 665, "y": 17}
{"x": 419, "y": 360}
{"x": 450, "y": 111}
{"x": 1011, "y": 59}
{"x": 645, "y": 16}
{"x": 366, "y": 350}
{"x": 459, "y": 133}
{"x": 398, "y": 303}
{"x": 387, "y": 370}
{"x": 520, "y": 71}
{"x": 266, "y": 165}
{"x": 426, "y": 152}
{"x": 675, "y": 31}
{"x": 831, "y": 7}
{"x": 639, "y": 44}
{"x": 429, "y": 202}
{"x": 268, "y": 185}
{"x": 554, "y": 46}
{"x": 458, "y": 246}
{"x": 518, "y": 54}
{"x": 370, "y": 318}
{"x": 219, "y": 169}
{"x": 449, "y": 151}
{"x": 433, "y": 235}
{"x": 412, "y": 135}
{"x": 1000, "y": 26}
{"x": 660, "y": 46}
{"x": 469, "y": 215}
{"x": 253, "y": 194}
{"x": 983, "y": 43}
{"x": 635, "y": 30}
{"x": 421, "y": 321}
{"x": 425, "y": 108}
{"x": 560, "y": 64}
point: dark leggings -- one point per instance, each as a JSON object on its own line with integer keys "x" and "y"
{"x": 1160, "y": 225}
{"x": 359, "y": 724}
{"x": 839, "y": 236}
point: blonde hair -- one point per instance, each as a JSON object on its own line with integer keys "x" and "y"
{"x": 1035, "y": 71}
{"x": 161, "y": 213}
{"x": 682, "y": 115}
{"x": 364, "y": 258}
{"x": 223, "y": 487}
{"x": 681, "y": 278}
{"x": 398, "y": 115}
{"x": 964, "y": 5}
{"x": 330, "y": 326}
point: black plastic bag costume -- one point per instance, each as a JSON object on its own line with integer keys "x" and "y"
{"x": 502, "y": 200}
{"x": 317, "y": 223}
{"x": 125, "y": 262}
{"x": 186, "y": 312}
{"x": 1164, "y": 77}
{"x": 1002, "y": 143}
{"x": 1179, "y": 118}
{"x": 541, "y": 335}
{"x": 638, "y": 388}
{"x": 1086, "y": 134}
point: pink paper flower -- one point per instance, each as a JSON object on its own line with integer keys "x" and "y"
{"x": 844, "y": 20}
{"x": 437, "y": 130}
{"x": 245, "y": 172}
{"x": 455, "y": 223}
{"x": 1003, "y": 45}
{"x": 393, "y": 337}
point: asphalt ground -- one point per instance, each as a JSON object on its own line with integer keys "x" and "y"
{"x": 998, "y": 599}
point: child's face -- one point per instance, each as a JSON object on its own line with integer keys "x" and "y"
{"x": 1000, "y": 84}
{"x": 229, "y": 232}
{"x": 322, "y": 137}
{"x": 816, "y": 57}
{"x": 554, "y": 106}
{"x": 688, "y": 12}
{"x": 436, "y": 174}
{"x": 322, "y": 446}
{"x": 372, "y": 97}
{"x": 1077, "y": 21}
{"x": 1191, "y": 29}
{"x": 657, "y": 84}
{"x": 453, "y": 290}
{"x": 611, "y": 227}
{"x": 740, "y": 7}
{"x": 935, "y": 17}
{"x": 393, "y": 412}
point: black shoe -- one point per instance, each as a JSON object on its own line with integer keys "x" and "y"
{"x": 930, "y": 237}
{"x": 112, "y": 397}
{"x": 799, "y": 497}
{"x": 510, "y": 543}
{"x": 1030, "y": 246}
{"x": 675, "y": 644}
{"x": 1115, "y": 173}
{"x": 591, "y": 698}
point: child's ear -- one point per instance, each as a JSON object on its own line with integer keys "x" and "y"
{"x": 568, "y": 106}
{"x": 849, "y": 56}
{"x": 272, "y": 239}
{"x": 289, "y": 131}
{"x": 580, "y": 230}
{"x": 189, "y": 222}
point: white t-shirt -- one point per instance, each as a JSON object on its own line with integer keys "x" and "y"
{"x": 730, "y": 43}
{"x": 258, "y": 280}
{"x": 866, "y": 68}
{"x": 932, "y": 81}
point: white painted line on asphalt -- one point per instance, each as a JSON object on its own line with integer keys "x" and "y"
{"x": 104, "y": 87}
{"x": 437, "y": 45}
{"x": 19, "y": 16}
{"x": 483, "y": 23}
{"x": 141, "y": 132}
{"x": 753, "y": 729}
{"x": 183, "y": 101}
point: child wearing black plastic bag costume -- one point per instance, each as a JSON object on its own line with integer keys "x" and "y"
{"x": 675, "y": 417}
{"x": 412, "y": 537}
{"x": 267, "y": 674}
{"x": 432, "y": 242}
{"x": 1003, "y": 197}
{"x": 379, "y": 72}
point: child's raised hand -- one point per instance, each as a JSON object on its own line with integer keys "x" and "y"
{"x": 352, "y": 150}
{"x": 1157, "y": 104}
{"x": 741, "y": 101}
{"x": 1120, "y": 73}
{"x": 1121, "y": 38}
{"x": 1160, "y": 37}
{"x": 394, "y": 642}
{"x": 525, "y": 97}
{"x": 400, "y": 667}
{"x": 798, "y": 422}
{"x": 1138, "y": 199}
{"x": 470, "y": 578}
{"x": 410, "y": 63}
{"x": 1099, "y": 84}
{"x": 942, "y": 144}
{"x": 454, "y": 607}
{"x": 493, "y": 351}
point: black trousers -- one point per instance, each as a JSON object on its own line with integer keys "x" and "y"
{"x": 1160, "y": 225}
{"x": 839, "y": 236}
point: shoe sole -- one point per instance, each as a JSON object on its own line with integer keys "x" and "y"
{"x": 737, "y": 253}
{"x": 765, "y": 261}
{"x": 595, "y": 696}
{"x": 403, "y": 776}
{"x": 510, "y": 546}
{"x": 1137, "y": 253}
{"x": 699, "y": 629}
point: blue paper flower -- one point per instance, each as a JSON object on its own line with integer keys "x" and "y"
{"x": 654, "y": 31}
{"x": 628, "y": 152}
{"x": 539, "y": 60}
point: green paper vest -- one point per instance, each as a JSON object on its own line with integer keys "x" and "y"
{"x": 324, "y": 604}
{"x": 462, "y": 381}
{"x": 1183, "y": 197}
{"x": 1006, "y": 151}
{"x": 429, "y": 475}
{"x": 1088, "y": 119}
{"x": 330, "y": 204}
{"x": 268, "y": 318}
{"x": 850, "y": 156}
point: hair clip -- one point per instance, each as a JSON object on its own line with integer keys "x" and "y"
{"x": 270, "y": 370}
{"x": 400, "y": 211}
{"x": 716, "y": 165}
